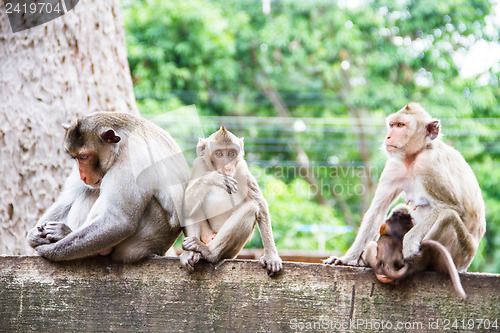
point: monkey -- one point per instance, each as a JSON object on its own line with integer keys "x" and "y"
{"x": 385, "y": 256}
{"x": 222, "y": 204}
{"x": 440, "y": 187}
{"x": 123, "y": 197}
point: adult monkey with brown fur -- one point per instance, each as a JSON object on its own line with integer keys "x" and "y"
{"x": 111, "y": 203}
{"x": 222, "y": 203}
{"x": 439, "y": 184}
{"x": 385, "y": 256}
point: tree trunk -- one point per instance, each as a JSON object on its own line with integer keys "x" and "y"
{"x": 50, "y": 74}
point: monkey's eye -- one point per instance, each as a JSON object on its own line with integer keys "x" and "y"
{"x": 218, "y": 153}
{"x": 83, "y": 157}
{"x": 232, "y": 153}
{"x": 400, "y": 125}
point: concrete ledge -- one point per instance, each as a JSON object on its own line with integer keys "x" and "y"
{"x": 158, "y": 295}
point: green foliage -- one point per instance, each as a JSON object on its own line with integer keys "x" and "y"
{"x": 329, "y": 63}
{"x": 292, "y": 205}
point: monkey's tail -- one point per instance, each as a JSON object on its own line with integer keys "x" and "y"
{"x": 393, "y": 274}
{"x": 450, "y": 266}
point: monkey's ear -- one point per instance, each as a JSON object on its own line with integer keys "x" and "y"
{"x": 383, "y": 229}
{"x": 109, "y": 136}
{"x": 242, "y": 145}
{"x": 66, "y": 126}
{"x": 432, "y": 129}
{"x": 200, "y": 148}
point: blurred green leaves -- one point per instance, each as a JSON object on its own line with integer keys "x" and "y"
{"x": 328, "y": 62}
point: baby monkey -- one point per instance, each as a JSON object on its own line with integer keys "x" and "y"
{"x": 386, "y": 255}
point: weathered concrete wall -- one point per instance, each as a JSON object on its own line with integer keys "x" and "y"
{"x": 158, "y": 295}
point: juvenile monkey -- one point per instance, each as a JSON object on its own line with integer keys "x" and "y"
{"x": 385, "y": 256}
{"x": 439, "y": 185}
{"x": 222, "y": 203}
{"x": 122, "y": 195}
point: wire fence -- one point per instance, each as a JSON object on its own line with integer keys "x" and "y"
{"x": 273, "y": 141}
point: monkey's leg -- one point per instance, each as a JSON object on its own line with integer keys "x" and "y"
{"x": 231, "y": 237}
{"x": 369, "y": 255}
{"x": 270, "y": 260}
{"x": 450, "y": 218}
{"x": 447, "y": 228}
{"x": 450, "y": 231}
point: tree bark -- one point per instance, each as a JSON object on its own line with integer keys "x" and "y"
{"x": 49, "y": 75}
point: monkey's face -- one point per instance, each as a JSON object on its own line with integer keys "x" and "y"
{"x": 224, "y": 160}
{"x": 95, "y": 150}
{"x": 408, "y": 131}
{"x": 399, "y": 131}
{"x": 89, "y": 167}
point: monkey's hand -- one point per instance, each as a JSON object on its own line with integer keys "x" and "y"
{"x": 189, "y": 259}
{"x": 36, "y": 236}
{"x": 410, "y": 247}
{"x": 343, "y": 261}
{"x": 227, "y": 183}
{"x": 273, "y": 264}
{"x": 55, "y": 231}
{"x": 46, "y": 250}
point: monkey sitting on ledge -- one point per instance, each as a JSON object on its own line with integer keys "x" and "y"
{"x": 122, "y": 196}
{"x": 447, "y": 206}
{"x": 222, "y": 205}
{"x": 385, "y": 256}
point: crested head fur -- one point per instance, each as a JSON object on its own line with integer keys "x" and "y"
{"x": 222, "y": 137}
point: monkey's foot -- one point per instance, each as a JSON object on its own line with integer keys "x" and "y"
{"x": 189, "y": 259}
{"x": 55, "y": 231}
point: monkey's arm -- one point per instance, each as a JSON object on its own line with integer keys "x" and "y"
{"x": 113, "y": 218}
{"x": 270, "y": 259}
{"x": 58, "y": 212}
{"x": 388, "y": 190}
{"x": 198, "y": 188}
